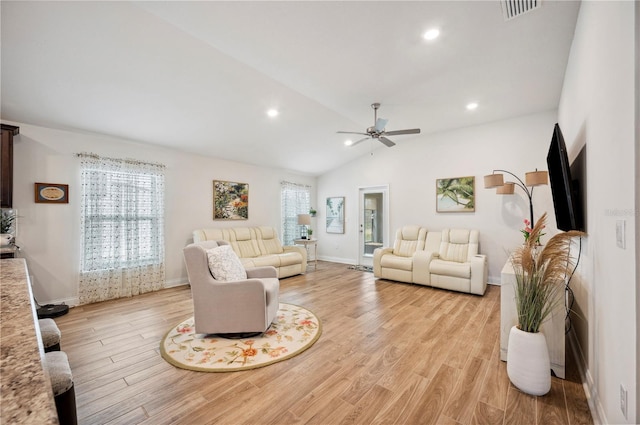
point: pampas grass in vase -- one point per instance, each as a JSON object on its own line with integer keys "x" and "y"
{"x": 540, "y": 275}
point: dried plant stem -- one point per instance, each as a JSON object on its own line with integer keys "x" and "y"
{"x": 540, "y": 276}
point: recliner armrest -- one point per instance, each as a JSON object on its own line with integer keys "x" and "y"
{"x": 421, "y": 262}
{"x": 377, "y": 255}
{"x": 299, "y": 249}
{"x": 479, "y": 274}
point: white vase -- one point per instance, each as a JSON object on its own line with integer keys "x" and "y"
{"x": 528, "y": 365}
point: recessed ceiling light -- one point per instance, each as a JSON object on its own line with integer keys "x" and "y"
{"x": 432, "y": 34}
{"x": 272, "y": 113}
{"x": 348, "y": 142}
{"x": 471, "y": 106}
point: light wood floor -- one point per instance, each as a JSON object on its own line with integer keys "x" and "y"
{"x": 389, "y": 353}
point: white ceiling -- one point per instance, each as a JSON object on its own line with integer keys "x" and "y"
{"x": 199, "y": 76}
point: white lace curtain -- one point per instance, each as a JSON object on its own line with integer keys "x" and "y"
{"x": 122, "y": 228}
{"x": 296, "y": 199}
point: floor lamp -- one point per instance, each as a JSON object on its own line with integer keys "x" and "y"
{"x": 304, "y": 220}
{"x": 532, "y": 179}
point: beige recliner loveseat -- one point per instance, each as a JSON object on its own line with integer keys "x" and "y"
{"x": 446, "y": 259}
{"x": 397, "y": 263}
{"x": 259, "y": 246}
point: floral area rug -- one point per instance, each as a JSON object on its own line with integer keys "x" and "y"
{"x": 293, "y": 330}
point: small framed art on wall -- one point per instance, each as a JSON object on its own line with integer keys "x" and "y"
{"x": 335, "y": 214}
{"x": 51, "y": 193}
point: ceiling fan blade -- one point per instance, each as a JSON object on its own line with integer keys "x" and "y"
{"x": 380, "y": 124}
{"x": 359, "y": 141}
{"x": 398, "y": 132}
{"x": 386, "y": 141}
{"x": 352, "y": 132}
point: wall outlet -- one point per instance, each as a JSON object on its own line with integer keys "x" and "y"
{"x": 620, "y": 234}
{"x": 623, "y": 400}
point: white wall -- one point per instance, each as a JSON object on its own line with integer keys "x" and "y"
{"x": 49, "y": 234}
{"x": 597, "y": 108}
{"x": 412, "y": 166}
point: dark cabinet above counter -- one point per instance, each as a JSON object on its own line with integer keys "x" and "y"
{"x": 6, "y": 165}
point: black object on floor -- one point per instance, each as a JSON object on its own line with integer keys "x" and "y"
{"x": 50, "y": 311}
{"x": 240, "y": 335}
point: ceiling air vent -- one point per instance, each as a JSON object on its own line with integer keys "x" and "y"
{"x": 514, "y": 8}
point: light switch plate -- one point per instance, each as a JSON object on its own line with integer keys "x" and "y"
{"x": 620, "y": 234}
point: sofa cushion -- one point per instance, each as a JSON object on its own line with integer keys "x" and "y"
{"x": 243, "y": 241}
{"x": 242, "y": 233}
{"x": 268, "y": 241}
{"x": 408, "y": 240}
{"x": 450, "y": 268}
{"x": 405, "y": 248}
{"x": 266, "y": 260}
{"x": 455, "y": 245}
{"x": 246, "y": 249}
{"x": 224, "y": 264}
{"x": 290, "y": 258}
{"x": 396, "y": 262}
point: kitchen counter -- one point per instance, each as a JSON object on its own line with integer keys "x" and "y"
{"x": 27, "y": 397}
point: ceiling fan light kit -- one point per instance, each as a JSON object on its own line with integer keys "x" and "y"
{"x": 377, "y": 131}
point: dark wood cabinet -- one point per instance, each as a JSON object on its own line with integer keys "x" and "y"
{"x": 6, "y": 165}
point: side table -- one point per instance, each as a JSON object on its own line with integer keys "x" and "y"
{"x": 8, "y": 251}
{"x": 306, "y": 243}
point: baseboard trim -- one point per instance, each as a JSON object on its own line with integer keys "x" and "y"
{"x": 590, "y": 389}
{"x": 75, "y": 301}
{"x": 338, "y": 260}
{"x": 493, "y": 280}
{"x": 71, "y": 302}
{"x": 176, "y": 282}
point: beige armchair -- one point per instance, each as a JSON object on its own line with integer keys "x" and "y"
{"x": 230, "y": 307}
{"x": 458, "y": 266}
{"x": 397, "y": 263}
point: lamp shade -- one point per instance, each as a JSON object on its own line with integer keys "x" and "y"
{"x": 304, "y": 219}
{"x": 493, "y": 180}
{"x": 535, "y": 178}
{"x": 506, "y": 189}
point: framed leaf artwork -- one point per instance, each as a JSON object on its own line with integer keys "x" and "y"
{"x": 455, "y": 194}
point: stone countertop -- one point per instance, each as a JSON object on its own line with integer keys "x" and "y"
{"x": 27, "y": 397}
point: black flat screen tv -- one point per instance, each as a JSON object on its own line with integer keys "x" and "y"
{"x": 566, "y": 204}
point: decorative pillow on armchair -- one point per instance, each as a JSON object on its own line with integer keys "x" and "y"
{"x": 225, "y": 264}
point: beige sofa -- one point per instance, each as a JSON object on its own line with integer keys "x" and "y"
{"x": 445, "y": 259}
{"x": 259, "y": 246}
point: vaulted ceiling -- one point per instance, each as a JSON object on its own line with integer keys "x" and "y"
{"x": 200, "y": 76}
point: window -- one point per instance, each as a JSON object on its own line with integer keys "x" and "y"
{"x": 122, "y": 228}
{"x": 296, "y": 199}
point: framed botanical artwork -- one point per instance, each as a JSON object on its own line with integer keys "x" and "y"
{"x": 456, "y": 194}
{"x": 51, "y": 193}
{"x": 335, "y": 214}
{"x": 230, "y": 200}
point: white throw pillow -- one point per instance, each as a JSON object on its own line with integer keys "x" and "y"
{"x": 225, "y": 264}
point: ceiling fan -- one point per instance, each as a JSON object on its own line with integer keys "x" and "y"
{"x": 377, "y": 131}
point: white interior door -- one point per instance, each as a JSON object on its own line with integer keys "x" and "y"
{"x": 373, "y": 222}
